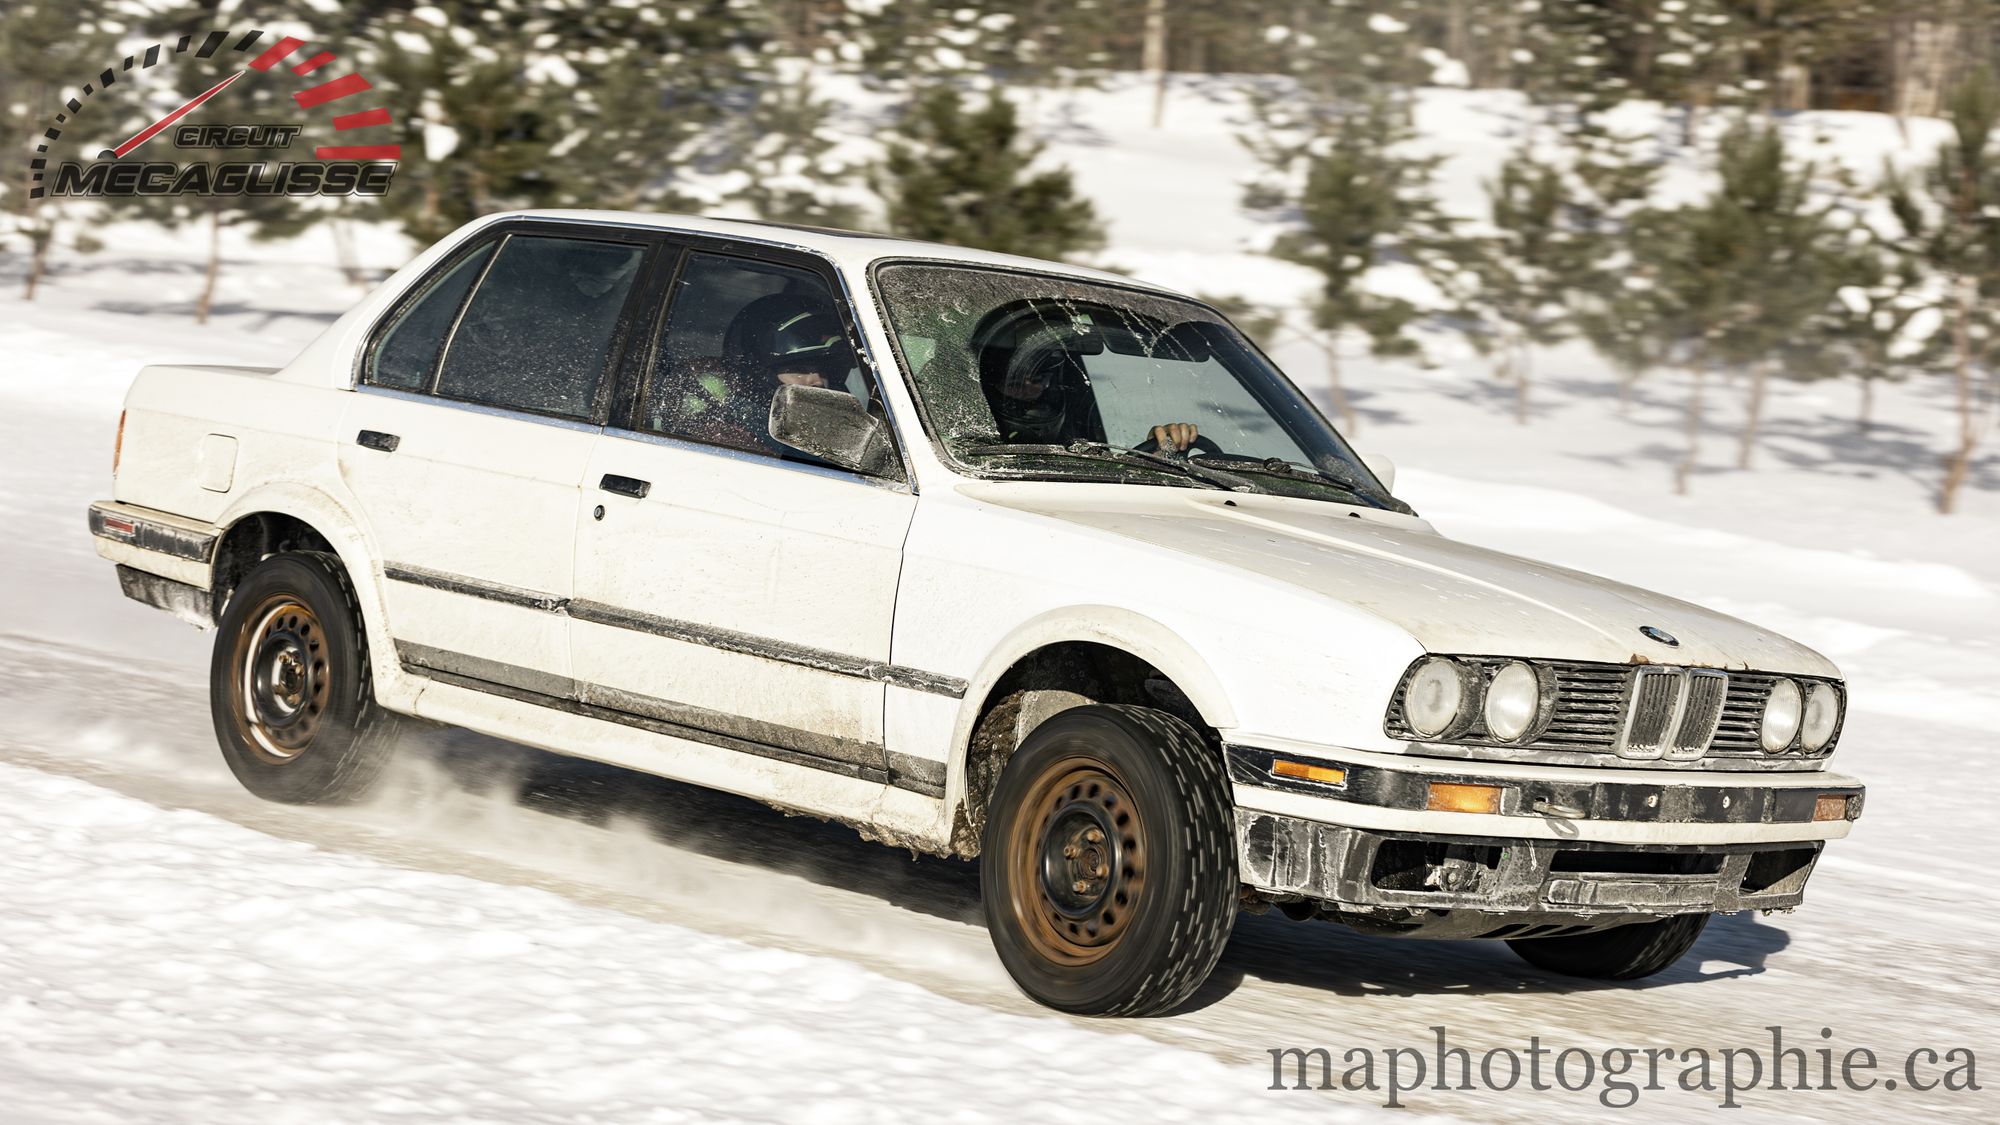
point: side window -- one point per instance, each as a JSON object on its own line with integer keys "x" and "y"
{"x": 736, "y": 331}
{"x": 539, "y": 329}
{"x": 407, "y": 353}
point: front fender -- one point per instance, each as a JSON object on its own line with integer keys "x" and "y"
{"x": 1122, "y": 629}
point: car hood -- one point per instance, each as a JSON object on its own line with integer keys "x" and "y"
{"x": 1452, "y": 597}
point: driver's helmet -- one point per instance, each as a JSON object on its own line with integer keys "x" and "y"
{"x": 786, "y": 333}
{"x": 1036, "y": 386}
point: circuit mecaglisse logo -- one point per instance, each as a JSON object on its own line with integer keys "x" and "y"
{"x": 354, "y": 162}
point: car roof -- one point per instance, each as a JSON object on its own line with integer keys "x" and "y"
{"x": 854, "y": 250}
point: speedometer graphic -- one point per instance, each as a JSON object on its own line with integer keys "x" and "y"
{"x": 342, "y": 123}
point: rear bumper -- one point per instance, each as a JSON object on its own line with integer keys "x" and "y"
{"x": 157, "y": 542}
{"x": 1566, "y": 850}
{"x": 165, "y": 561}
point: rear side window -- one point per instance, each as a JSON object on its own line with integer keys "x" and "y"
{"x": 539, "y": 330}
{"x": 407, "y": 353}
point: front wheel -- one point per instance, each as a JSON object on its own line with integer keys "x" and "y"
{"x": 1627, "y": 952}
{"x": 1108, "y": 869}
{"x": 289, "y": 688}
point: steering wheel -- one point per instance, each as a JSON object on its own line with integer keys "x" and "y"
{"x": 1199, "y": 445}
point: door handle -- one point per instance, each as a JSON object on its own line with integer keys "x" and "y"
{"x": 626, "y": 486}
{"x": 376, "y": 439}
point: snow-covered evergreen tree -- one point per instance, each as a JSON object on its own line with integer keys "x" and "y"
{"x": 511, "y": 103}
{"x": 1524, "y": 269}
{"x": 44, "y": 48}
{"x": 1950, "y": 220}
{"x": 1744, "y": 271}
{"x": 967, "y": 174}
{"x": 1338, "y": 173}
{"x": 263, "y": 217}
{"x": 784, "y": 152}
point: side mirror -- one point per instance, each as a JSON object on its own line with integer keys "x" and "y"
{"x": 829, "y": 424}
{"x": 1383, "y": 468}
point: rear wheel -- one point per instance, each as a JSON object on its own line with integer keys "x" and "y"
{"x": 289, "y": 689}
{"x": 1108, "y": 868}
{"x": 1621, "y": 953}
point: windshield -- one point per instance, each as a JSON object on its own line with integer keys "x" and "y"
{"x": 1061, "y": 378}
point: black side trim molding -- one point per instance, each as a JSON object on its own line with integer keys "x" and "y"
{"x": 472, "y": 587}
{"x": 728, "y": 640}
{"x": 845, "y": 756}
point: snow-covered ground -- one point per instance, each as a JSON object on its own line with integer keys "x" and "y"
{"x": 505, "y": 937}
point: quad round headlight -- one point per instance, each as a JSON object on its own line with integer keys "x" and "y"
{"x": 1435, "y": 697}
{"x": 1513, "y": 700}
{"x": 1822, "y": 715}
{"x": 1781, "y": 716}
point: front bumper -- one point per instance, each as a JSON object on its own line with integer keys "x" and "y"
{"x": 1559, "y": 851}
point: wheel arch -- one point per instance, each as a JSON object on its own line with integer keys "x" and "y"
{"x": 302, "y": 517}
{"x": 1065, "y": 659}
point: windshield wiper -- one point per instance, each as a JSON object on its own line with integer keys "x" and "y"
{"x": 1100, "y": 451}
{"x": 1279, "y": 467}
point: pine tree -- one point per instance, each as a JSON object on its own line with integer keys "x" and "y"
{"x": 263, "y": 217}
{"x": 1337, "y": 172}
{"x": 1351, "y": 197}
{"x": 1697, "y": 58}
{"x": 529, "y": 103}
{"x": 45, "y": 48}
{"x": 909, "y": 43}
{"x": 966, "y": 175}
{"x": 1524, "y": 270}
{"x": 1869, "y": 328}
{"x": 784, "y": 149}
{"x": 1613, "y": 299}
{"x": 1950, "y": 220}
{"x": 1743, "y": 272}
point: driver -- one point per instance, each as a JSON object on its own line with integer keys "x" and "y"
{"x": 1040, "y": 395}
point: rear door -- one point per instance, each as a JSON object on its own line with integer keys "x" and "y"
{"x": 480, "y": 400}
{"x": 738, "y": 590}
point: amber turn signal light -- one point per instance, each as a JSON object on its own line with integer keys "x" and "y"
{"x": 118, "y": 444}
{"x": 1325, "y": 775}
{"x": 1830, "y": 806}
{"x": 1447, "y": 797}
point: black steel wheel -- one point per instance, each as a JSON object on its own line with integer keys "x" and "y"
{"x": 1108, "y": 868}
{"x": 289, "y": 689}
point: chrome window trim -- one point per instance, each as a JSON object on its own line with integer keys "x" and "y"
{"x": 458, "y": 318}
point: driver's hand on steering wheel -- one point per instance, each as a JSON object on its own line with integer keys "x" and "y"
{"x": 1174, "y": 437}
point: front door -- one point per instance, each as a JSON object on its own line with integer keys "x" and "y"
{"x": 734, "y": 589}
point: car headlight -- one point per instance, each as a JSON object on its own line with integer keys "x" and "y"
{"x": 1436, "y": 697}
{"x": 1822, "y": 715}
{"x": 1781, "y": 716}
{"x": 1513, "y": 700}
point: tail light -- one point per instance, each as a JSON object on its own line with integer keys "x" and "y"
{"x": 118, "y": 445}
